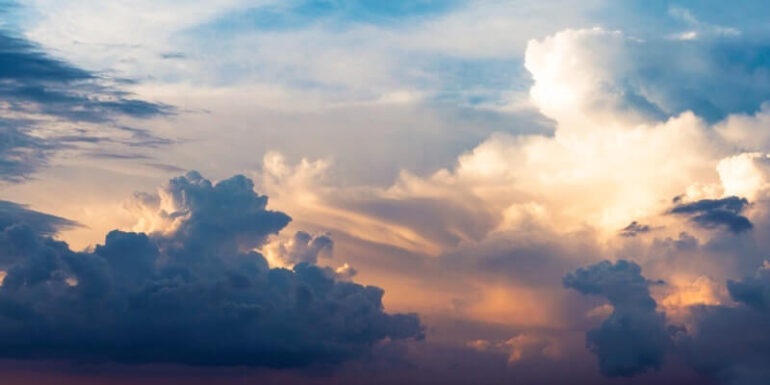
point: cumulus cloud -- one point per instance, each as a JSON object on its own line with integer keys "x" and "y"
{"x": 197, "y": 294}
{"x": 516, "y": 213}
{"x": 345, "y": 271}
{"x": 302, "y": 247}
{"x": 633, "y": 339}
{"x": 723, "y": 342}
{"x": 730, "y": 343}
{"x": 602, "y": 167}
{"x": 752, "y": 291}
{"x": 619, "y": 152}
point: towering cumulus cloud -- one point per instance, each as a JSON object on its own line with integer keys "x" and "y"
{"x": 634, "y": 338}
{"x": 731, "y": 343}
{"x": 195, "y": 293}
{"x": 725, "y": 343}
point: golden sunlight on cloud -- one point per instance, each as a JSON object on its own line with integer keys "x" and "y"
{"x": 606, "y": 165}
{"x": 522, "y": 346}
{"x": 517, "y": 306}
{"x": 603, "y": 168}
{"x": 601, "y": 311}
{"x": 299, "y": 190}
{"x": 687, "y": 291}
{"x": 161, "y": 213}
{"x": 745, "y": 174}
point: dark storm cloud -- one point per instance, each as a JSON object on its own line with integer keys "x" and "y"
{"x": 753, "y": 292}
{"x": 33, "y": 83}
{"x": 711, "y": 213}
{"x": 732, "y": 344}
{"x": 728, "y": 344}
{"x": 199, "y": 296}
{"x": 633, "y": 338}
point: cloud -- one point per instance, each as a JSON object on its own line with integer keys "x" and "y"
{"x": 725, "y": 343}
{"x": 634, "y": 228}
{"x": 612, "y": 160}
{"x": 345, "y": 271}
{"x": 521, "y": 347}
{"x": 711, "y": 213}
{"x": 587, "y": 178}
{"x": 699, "y": 28}
{"x": 302, "y": 247}
{"x": 650, "y": 78}
{"x": 633, "y": 339}
{"x": 302, "y": 14}
{"x": 20, "y": 153}
{"x": 40, "y": 93}
{"x": 12, "y": 214}
{"x": 197, "y": 294}
{"x": 752, "y": 291}
{"x": 34, "y": 81}
{"x": 730, "y": 343}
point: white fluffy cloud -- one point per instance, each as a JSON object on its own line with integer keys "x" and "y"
{"x": 550, "y": 203}
{"x": 607, "y": 164}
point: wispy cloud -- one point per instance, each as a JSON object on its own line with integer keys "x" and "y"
{"x": 40, "y": 92}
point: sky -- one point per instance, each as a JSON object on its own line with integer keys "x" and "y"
{"x": 384, "y": 192}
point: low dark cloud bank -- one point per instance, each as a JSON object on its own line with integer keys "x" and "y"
{"x": 36, "y": 88}
{"x": 198, "y": 296}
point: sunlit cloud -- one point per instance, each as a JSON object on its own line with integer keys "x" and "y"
{"x": 430, "y": 191}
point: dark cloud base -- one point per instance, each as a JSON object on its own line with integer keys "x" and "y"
{"x": 634, "y": 338}
{"x": 728, "y": 344}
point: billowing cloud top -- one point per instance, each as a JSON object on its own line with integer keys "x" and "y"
{"x": 573, "y": 191}
{"x": 197, "y": 295}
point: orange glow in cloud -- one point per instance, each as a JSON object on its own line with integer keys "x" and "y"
{"x": 519, "y": 306}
